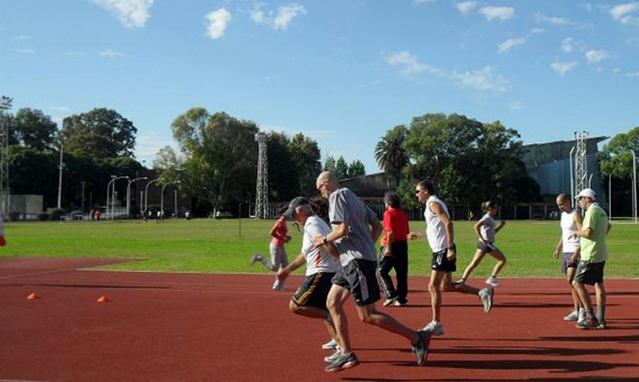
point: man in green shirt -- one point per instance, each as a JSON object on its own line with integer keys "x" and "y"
{"x": 594, "y": 253}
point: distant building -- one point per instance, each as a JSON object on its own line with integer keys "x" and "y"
{"x": 549, "y": 164}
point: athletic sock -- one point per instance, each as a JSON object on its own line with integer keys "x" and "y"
{"x": 601, "y": 313}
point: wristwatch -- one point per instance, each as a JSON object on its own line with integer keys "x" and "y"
{"x": 325, "y": 239}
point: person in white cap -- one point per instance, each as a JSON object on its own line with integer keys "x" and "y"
{"x": 594, "y": 254}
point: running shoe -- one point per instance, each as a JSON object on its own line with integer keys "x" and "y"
{"x": 389, "y": 301}
{"x": 588, "y": 323}
{"x": 400, "y": 303}
{"x": 602, "y": 325}
{"x": 492, "y": 281}
{"x": 435, "y": 328}
{"x": 421, "y": 347}
{"x": 333, "y": 356}
{"x": 277, "y": 285}
{"x": 573, "y": 316}
{"x": 582, "y": 315}
{"x": 342, "y": 362}
{"x": 330, "y": 345}
{"x": 256, "y": 257}
{"x": 486, "y": 296}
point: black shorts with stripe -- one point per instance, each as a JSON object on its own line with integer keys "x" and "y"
{"x": 440, "y": 262}
{"x": 589, "y": 273}
{"x": 314, "y": 290}
{"x": 360, "y": 279}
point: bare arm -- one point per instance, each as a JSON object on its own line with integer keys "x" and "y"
{"x": 376, "y": 229}
{"x": 448, "y": 226}
{"x": 283, "y": 273}
{"x": 339, "y": 230}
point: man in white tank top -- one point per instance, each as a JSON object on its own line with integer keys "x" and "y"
{"x": 441, "y": 238}
{"x": 568, "y": 247}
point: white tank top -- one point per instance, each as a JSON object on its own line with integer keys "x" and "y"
{"x": 435, "y": 230}
{"x": 568, "y": 228}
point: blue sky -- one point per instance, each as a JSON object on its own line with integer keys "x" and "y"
{"x": 342, "y": 72}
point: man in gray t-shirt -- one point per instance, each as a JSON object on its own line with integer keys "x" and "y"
{"x": 355, "y": 231}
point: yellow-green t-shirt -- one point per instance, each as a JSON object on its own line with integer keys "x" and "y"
{"x": 594, "y": 249}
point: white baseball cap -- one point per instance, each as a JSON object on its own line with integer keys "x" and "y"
{"x": 587, "y": 193}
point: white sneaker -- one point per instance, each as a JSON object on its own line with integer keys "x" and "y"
{"x": 582, "y": 316}
{"x": 572, "y": 316}
{"x": 330, "y": 345}
{"x": 277, "y": 285}
{"x": 435, "y": 328}
{"x": 333, "y": 356}
{"x": 492, "y": 281}
{"x": 389, "y": 301}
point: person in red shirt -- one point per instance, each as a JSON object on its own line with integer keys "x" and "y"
{"x": 279, "y": 259}
{"x": 394, "y": 252}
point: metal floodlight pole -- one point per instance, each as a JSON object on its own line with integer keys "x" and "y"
{"x": 108, "y": 196}
{"x": 572, "y": 179}
{"x": 634, "y": 186}
{"x": 113, "y": 193}
{"x": 162, "y": 196}
{"x": 60, "y": 167}
{"x": 146, "y": 194}
{"x": 128, "y": 195}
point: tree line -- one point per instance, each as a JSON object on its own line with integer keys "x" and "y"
{"x": 216, "y": 158}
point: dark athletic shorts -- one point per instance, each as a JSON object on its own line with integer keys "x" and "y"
{"x": 566, "y": 263}
{"x": 360, "y": 279}
{"x": 441, "y": 263}
{"x": 488, "y": 247}
{"x": 314, "y": 290}
{"x": 590, "y": 273}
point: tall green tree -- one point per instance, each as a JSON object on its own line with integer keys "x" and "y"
{"x": 341, "y": 168}
{"x": 615, "y": 160}
{"x": 305, "y": 155}
{"x": 219, "y": 156}
{"x": 390, "y": 152}
{"x": 470, "y": 161}
{"x": 100, "y": 133}
{"x": 356, "y": 168}
{"x": 329, "y": 164}
{"x": 33, "y": 129}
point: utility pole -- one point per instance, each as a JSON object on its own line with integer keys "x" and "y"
{"x": 5, "y": 193}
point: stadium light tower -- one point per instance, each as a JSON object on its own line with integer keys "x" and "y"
{"x": 581, "y": 162}
{"x": 5, "y": 104}
{"x": 261, "y": 195}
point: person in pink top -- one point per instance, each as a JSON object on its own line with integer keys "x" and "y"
{"x": 279, "y": 259}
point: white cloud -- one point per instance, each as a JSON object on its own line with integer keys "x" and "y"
{"x": 507, "y": 45}
{"x": 596, "y": 56}
{"x": 131, "y": 13}
{"x": 563, "y": 67}
{"x": 110, "y": 53}
{"x": 409, "y": 64}
{"x": 633, "y": 74}
{"x": 59, "y": 109}
{"x": 482, "y": 80}
{"x": 420, "y": 2}
{"x": 541, "y": 18}
{"x": 567, "y": 45}
{"x": 280, "y": 19}
{"x": 218, "y": 22}
{"x": 537, "y": 30}
{"x": 625, "y": 13}
{"x": 516, "y": 106}
{"x": 500, "y": 13}
{"x": 25, "y": 51}
{"x": 20, "y": 38}
{"x": 466, "y": 7}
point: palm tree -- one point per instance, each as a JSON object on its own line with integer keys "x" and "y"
{"x": 390, "y": 152}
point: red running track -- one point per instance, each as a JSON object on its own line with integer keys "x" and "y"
{"x": 196, "y": 327}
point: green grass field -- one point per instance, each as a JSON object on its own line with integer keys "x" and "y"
{"x": 226, "y": 245}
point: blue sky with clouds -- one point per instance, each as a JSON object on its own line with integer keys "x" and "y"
{"x": 342, "y": 72}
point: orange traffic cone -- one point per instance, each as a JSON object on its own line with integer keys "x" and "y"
{"x": 33, "y": 296}
{"x": 103, "y": 299}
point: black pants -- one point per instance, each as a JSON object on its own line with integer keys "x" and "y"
{"x": 399, "y": 261}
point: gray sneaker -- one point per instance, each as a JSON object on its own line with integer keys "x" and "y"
{"x": 256, "y": 257}
{"x": 421, "y": 347}
{"x": 330, "y": 345}
{"x": 486, "y": 297}
{"x": 572, "y": 316}
{"x": 342, "y": 362}
{"x": 333, "y": 356}
{"x": 435, "y": 328}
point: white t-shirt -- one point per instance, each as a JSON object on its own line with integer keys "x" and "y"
{"x": 568, "y": 228}
{"x": 435, "y": 229}
{"x": 487, "y": 229}
{"x": 317, "y": 258}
